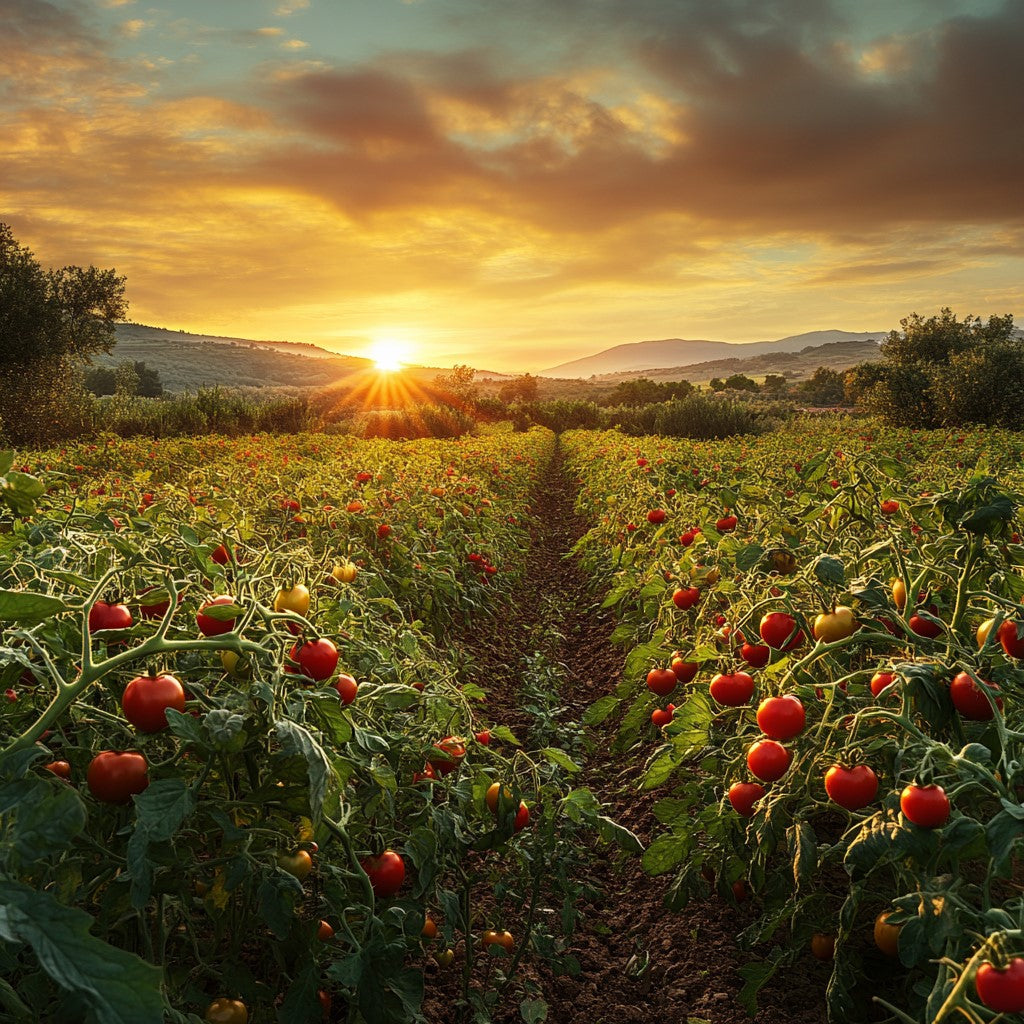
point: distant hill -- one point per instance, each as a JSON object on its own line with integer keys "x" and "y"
{"x": 839, "y": 355}
{"x": 679, "y": 352}
{"x": 187, "y": 362}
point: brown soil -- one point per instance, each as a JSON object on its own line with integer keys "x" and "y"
{"x": 639, "y": 960}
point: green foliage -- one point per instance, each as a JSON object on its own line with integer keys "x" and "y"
{"x": 521, "y": 389}
{"x": 941, "y": 371}
{"x": 643, "y": 391}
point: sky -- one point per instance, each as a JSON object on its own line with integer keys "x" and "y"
{"x": 514, "y": 184}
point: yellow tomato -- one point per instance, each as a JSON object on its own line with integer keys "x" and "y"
{"x": 899, "y": 594}
{"x": 983, "y": 631}
{"x": 835, "y": 625}
{"x": 294, "y": 600}
{"x": 346, "y": 572}
{"x": 236, "y": 665}
{"x": 492, "y": 796}
{"x": 299, "y": 863}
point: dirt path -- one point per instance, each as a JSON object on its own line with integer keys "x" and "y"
{"x": 640, "y": 961}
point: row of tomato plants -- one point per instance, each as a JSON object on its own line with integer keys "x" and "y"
{"x": 247, "y": 772}
{"x": 841, "y": 637}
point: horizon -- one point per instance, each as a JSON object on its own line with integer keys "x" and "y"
{"x": 520, "y": 186}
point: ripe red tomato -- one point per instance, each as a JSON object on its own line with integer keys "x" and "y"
{"x": 781, "y": 718}
{"x": 346, "y": 687}
{"x": 890, "y": 507}
{"x": 925, "y": 806}
{"x": 726, "y": 524}
{"x": 483, "y": 737}
{"x": 220, "y": 555}
{"x": 522, "y": 818}
{"x": 732, "y": 691}
{"x": 157, "y": 610}
{"x": 661, "y": 681}
{"x": 109, "y": 616}
{"x": 881, "y": 680}
{"x": 146, "y": 699}
{"x": 383, "y": 531}
{"x": 755, "y": 655}
{"x": 115, "y": 776}
{"x": 656, "y": 516}
{"x": 455, "y": 749}
{"x": 686, "y": 597}
{"x": 924, "y": 627}
{"x": 778, "y": 630}
{"x": 317, "y": 659}
{"x": 768, "y": 760}
{"x": 662, "y": 716}
{"x": 386, "y": 872}
{"x": 687, "y": 538}
{"x": 62, "y": 769}
{"x": 851, "y": 788}
{"x": 1001, "y": 990}
{"x": 743, "y": 796}
{"x": 969, "y": 699}
{"x": 1007, "y": 634}
{"x": 208, "y": 625}
{"x": 684, "y": 670}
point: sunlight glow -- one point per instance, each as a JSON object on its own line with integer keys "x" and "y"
{"x": 389, "y": 354}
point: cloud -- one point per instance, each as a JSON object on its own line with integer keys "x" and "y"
{"x": 133, "y": 28}
{"x": 290, "y": 7}
{"x": 294, "y": 44}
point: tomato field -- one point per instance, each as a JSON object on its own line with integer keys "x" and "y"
{"x": 276, "y": 745}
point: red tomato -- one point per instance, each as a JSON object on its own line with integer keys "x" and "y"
{"x": 661, "y": 681}
{"x": 317, "y": 659}
{"x": 768, "y": 760}
{"x": 755, "y": 655}
{"x": 656, "y": 516}
{"x": 483, "y": 737}
{"x": 346, "y": 687}
{"x": 1001, "y": 990}
{"x": 684, "y": 670}
{"x": 59, "y": 768}
{"x": 220, "y": 555}
{"x": 851, "y": 788}
{"x": 925, "y": 806}
{"x": 1011, "y": 643}
{"x": 778, "y": 630}
{"x": 522, "y": 818}
{"x": 726, "y": 524}
{"x": 969, "y": 699}
{"x": 386, "y": 872}
{"x": 115, "y": 776}
{"x": 686, "y": 597}
{"x": 743, "y": 796}
{"x": 153, "y": 611}
{"x": 661, "y": 717}
{"x": 109, "y": 616}
{"x": 732, "y": 691}
{"x": 146, "y": 699}
{"x": 881, "y": 680}
{"x": 890, "y": 507}
{"x": 455, "y": 749}
{"x": 781, "y": 718}
{"x": 208, "y": 625}
{"x": 924, "y": 627}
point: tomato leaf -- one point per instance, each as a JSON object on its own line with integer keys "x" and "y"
{"x": 665, "y": 852}
{"x": 612, "y": 832}
{"x": 560, "y": 758}
{"x": 278, "y": 896}
{"x": 533, "y": 1011}
{"x": 160, "y": 809}
{"x": 295, "y": 739}
{"x": 803, "y": 846}
{"x": 830, "y": 570}
{"x": 28, "y": 608}
{"x": 118, "y": 987}
{"x": 600, "y": 710}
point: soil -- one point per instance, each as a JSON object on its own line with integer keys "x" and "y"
{"x": 640, "y": 961}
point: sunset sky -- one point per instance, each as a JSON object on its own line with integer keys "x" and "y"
{"x": 513, "y": 184}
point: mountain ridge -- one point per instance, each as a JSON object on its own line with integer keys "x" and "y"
{"x": 681, "y": 352}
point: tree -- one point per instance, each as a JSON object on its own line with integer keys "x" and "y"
{"x": 740, "y": 382}
{"x": 51, "y": 321}
{"x": 774, "y": 384}
{"x": 716, "y": 384}
{"x": 459, "y": 385}
{"x": 101, "y": 380}
{"x": 943, "y": 371}
{"x": 823, "y": 387}
{"x": 520, "y": 389}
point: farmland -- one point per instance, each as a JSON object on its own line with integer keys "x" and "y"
{"x": 407, "y": 763}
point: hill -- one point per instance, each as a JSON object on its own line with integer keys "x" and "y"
{"x": 679, "y": 352}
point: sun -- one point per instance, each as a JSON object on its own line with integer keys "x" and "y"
{"x": 389, "y": 354}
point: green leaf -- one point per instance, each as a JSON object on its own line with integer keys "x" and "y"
{"x": 295, "y": 739}
{"x": 600, "y": 710}
{"x": 6, "y": 461}
{"x": 665, "y": 853}
{"x": 160, "y": 809}
{"x": 279, "y": 895}
{"x": 612, "y": 832}
{"x": 804, "y": 848}
{"x": 533, "y": 1011}
{"x": 749, "y": 556}
{"x": 118, "y": 987}
{"x": 20, "y": 492}
{"x": 559, "y": 757}
{"x": 755, "y": 976}
{"x": 828, "y": 569}
{"x": 48, "y": 819}
{"x": 28, "y": 608}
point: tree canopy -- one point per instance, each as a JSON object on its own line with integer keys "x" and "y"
{"x": 48, "y": 315}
